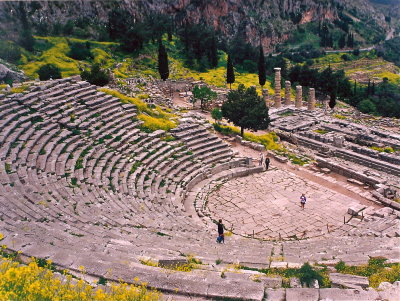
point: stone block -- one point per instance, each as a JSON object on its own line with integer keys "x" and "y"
{"x": 333, "y": 294}
{"x": 349, "y": 281}
{"x": 295, "y": 282}
{"x": 171, "y": 263}
{"x": 278, "y": 264}
{"x": 325, "y": 170}
{"x": 302, "y": 294}
{"x": 275, "y": 294}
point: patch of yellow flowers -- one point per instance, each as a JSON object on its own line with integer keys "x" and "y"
{"x": 32, "y": 282}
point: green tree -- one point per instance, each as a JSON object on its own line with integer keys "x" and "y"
{"x": 246, "y": 109}
{"x": 230, "y": 73}
{"x": 162, "y": 61}
{"x": 213, "y": 54}
{"x": 342, "y": 41}
{"x": 49, "y": 71}
{"x": 96, "y": 76}
{"x": 204, "y": 94}
{"x": 80, "y": 51}
{"x": 26, "y": 40}
{"x": 262, "y": 72}
{"x": 216, "y": 114}
{"x": 367, "y": 106}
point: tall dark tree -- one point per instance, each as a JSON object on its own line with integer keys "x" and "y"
{"x": 373, "y": 88}
{"x": 368, "y": 91}
{"x": 230, "y": 73}
{"x": 213, "y": 53}
{"x": 355, "y": 88}
{"x": 262, "y": 72}
{"x": 162, "y": 61}
{"x": 342, "y": 41}
{"x": 246, "y": 109}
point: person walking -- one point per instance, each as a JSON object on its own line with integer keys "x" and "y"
{"x": 303, "y": 200}
{"x": 220, "y": 238}
{"x": 267, "y": 161}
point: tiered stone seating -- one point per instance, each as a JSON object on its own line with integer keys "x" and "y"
{"x": 82, "y": 185}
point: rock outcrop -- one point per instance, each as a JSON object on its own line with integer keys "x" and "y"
{"x": 6, "y": 73}
{"x": 272, "y": 21}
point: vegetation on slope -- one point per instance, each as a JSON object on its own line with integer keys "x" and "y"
{"x": 36, "y": 282}
{"x": 153, "y": 118}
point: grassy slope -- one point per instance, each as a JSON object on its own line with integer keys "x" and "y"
{"x": 366, "y": 66}
{"x": 55, "y": 49}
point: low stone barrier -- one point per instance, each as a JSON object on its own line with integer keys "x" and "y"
{"x": 324, "y": 163}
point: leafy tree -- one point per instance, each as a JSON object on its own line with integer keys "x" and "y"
{"x": 367, "y": 106}
{"x": 49, "y": 71}
{"x": 216, "y": 114}
{"x": 230, "y": 73}
{"x": 96, "y": 76}
{"x": 26, "y": 40}
{"x": 162, "y": 61}
{"x": 246, "y": 109}
{"x": 80, "y": 51}
{"x": 262, "y": 75}
{"x": 204, "y": 94}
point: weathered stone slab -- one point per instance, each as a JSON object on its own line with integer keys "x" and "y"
{"x": 275, "y": 294}
{"x": 349, "y": 281}
{"x": 333, "y": 294}
{"x": 302, "y": 294}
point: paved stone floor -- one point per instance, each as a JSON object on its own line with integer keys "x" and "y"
{"x": 269, "y": 204}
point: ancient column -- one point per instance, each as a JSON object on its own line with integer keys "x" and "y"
{"x": 277, "y": 87}
{"x": 311, "y": 99}
{"x": 288, "y": 87}
{"x": 266, "y": 97}
{"x": 299, "y": 96}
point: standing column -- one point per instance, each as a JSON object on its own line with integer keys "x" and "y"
{"x": 311, "y": 99}
{"x": 266, "y": 97}
{"x": 277, "y": 87}
{"x": 288, "y": 100}
{"x": 299, "y": 96}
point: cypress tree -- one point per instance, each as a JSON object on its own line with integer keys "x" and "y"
{"x": 262, "y": 74}
{"x": 369, "y": 87}
{"x": 162, "y": 61}
{"x": 230, "y": 73}
{"x": 213, "y": 57}
{"x": 373, "y": 88}
{"x": 355, "y": 88}
{"x": 342, "y": 41}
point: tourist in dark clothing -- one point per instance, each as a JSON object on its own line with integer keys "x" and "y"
{"x": 220, "y": 238}
{"x": 267, "y": 160}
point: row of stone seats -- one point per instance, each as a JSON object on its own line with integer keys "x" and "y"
{"x": 71, "y": 193}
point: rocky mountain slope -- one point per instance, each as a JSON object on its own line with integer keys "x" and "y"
{"x": 270, "y": 21}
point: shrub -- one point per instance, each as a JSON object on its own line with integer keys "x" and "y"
{"x": 49, "y": 71}
{"x": 80, "y": 51}
{"x": 96, "y": 76}
{"x": 9, "y": 52}
{"x": 307, "y": 274}
{"x": 37, "y": 282}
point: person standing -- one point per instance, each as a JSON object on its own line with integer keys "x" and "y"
{"x": 267, "y": 161}
{"x": 303, "y": 200}
{"x": 220, "y": 238}
{"x": 261, "y": 158}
